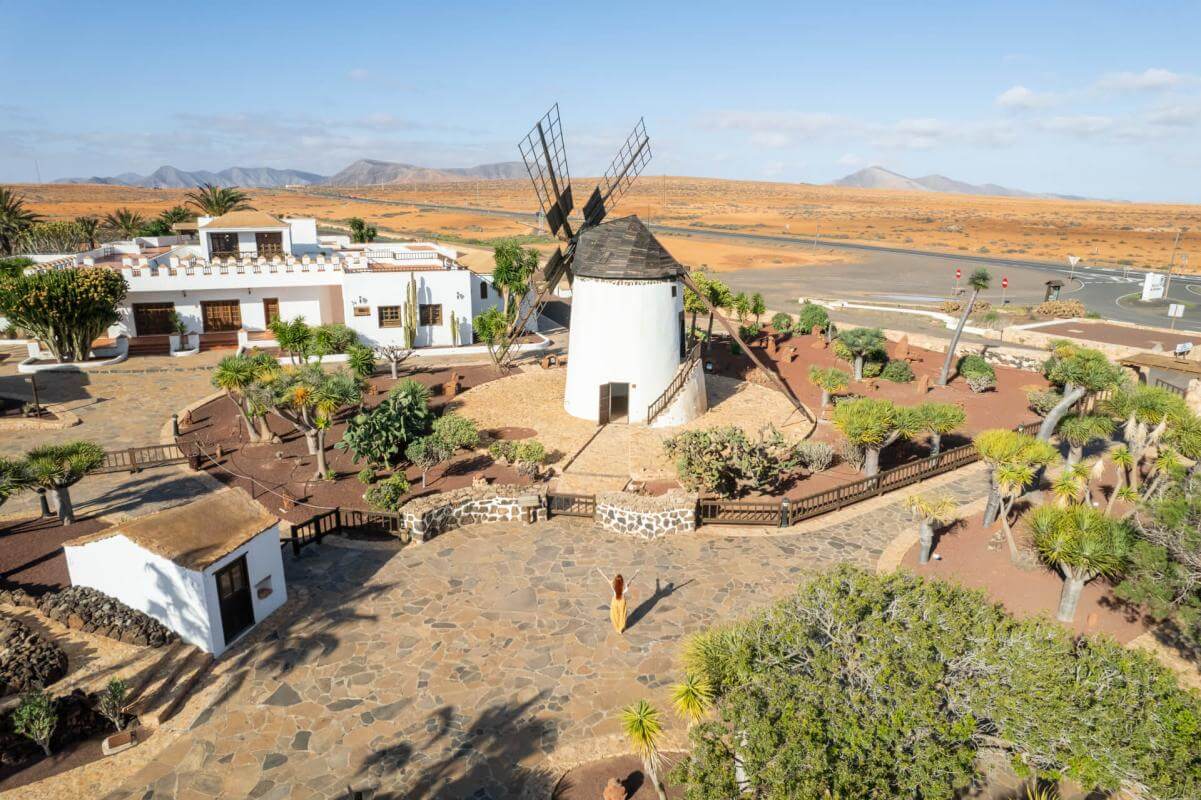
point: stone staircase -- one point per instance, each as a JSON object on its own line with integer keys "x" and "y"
{"x": 165, "y": 687}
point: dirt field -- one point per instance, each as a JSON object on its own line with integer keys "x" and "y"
{"x": 1111, "y": 233}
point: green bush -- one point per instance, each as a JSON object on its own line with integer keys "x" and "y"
{"x": 530, "y": 451}
{"x": 863, "y": 685}
{"x": 366, "y": 476}
{"x": 361, "y": 360}
{"x": 380, "y": 436}
{"x": 811, "y": 314}
{"x": 503, "y": 451}
{"x": 872, "y": 369}
{"x": 896, "y": 371}
{"x": 36, "y": 718}
{"x": 67, "y": 309}
{"x": 387, "y": 494}
{"x": 459, "y": 431}
{"x": 725, "y": 461}
{"x": 841, "y": 351}
{"x": 816, "y": 456}
{"x": 333, "y": 338}
{"x": 750, "y": 331}
{"x": 972, "y": 366}
{"x": 781, "y": 322}
{"x": 1041, "y": 401}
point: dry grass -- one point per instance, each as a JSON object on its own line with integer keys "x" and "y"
{"x": 1139, "y": 234}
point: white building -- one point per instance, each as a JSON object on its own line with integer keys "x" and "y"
{"x": 247, "y": 267}
{"x": 628, "y": 352}
{"x": 210, "y": 570}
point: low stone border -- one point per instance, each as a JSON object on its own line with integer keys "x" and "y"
{"x": 30, "y": 365}
{"x": 426, "y": 517}
{"x": 644, "y": 516}
{"x": 27, "y": 659}
{"x": 85, "y": 609}
{"x": 63, "y": 419}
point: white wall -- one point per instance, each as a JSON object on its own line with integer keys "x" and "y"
{"x": 453, "y": 289}
{"x": 264, "y": 562}
{"x": 621, "y": 332}
{"x": 317, "y": 304}
{"x": 304, "y": 235}
{"x": 147, "y": 582}
{"x": 246, "y": 239}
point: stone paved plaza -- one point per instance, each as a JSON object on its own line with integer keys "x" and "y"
{"x": 480, "y": 662}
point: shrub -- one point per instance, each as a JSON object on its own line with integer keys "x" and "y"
{"x": 955, "y": 306}
{"x": 503, "y": 451}
{"x": 725, "y": 461}
{"x": 872, "y": 369}
{"x": 781, "y": 322}
{"x": 459, "y": 431}
{"x": 65, "y": 308}
{"x": 811, "y": 314}
{"x": 1061, "y": 309}
{"x": 816, "y": 456}
{"x": 1041, "y": 401}
{"x": 111, "y": 704}
{"x": 333, "y": 338}
{"x": 795, "y": 685}
{"x": 750, "y": 331}
{"x": 973, "y": 365}
{"x": 387, "y": 494}
{"x": 366, "y": 476}
{"x": 36, "y": 718}
{"x": 361, "y": 360}
{"x": 841, "y": 351}
{"x": 530, "y": 451}
{"x": 981, "y": 383}
{"x": 428, "y": 452}
{"x": 381, "y": 435}
{"x": 896, "y": 371}
{"x": 851, "y": 454}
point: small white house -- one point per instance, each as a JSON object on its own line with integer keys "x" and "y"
{"x": 210, "y": 570}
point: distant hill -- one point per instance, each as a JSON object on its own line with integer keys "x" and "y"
{"x": 881, "y": 178}
{"x": 365, "y": 172}
{"x": 368, "y": 172}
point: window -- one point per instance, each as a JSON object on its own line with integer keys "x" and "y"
{"x": 673, "y": 290}
{"x": 389, "y": 317}
{"x": 430, "y": 314}
{"x": 483, "y": 290}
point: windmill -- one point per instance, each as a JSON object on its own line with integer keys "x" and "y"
{"x": 628, "y": 248}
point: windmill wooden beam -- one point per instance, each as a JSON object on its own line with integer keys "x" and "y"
{"x": 771, "y": 376}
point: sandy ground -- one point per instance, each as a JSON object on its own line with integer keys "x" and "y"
{"x": 1109, "y": 233}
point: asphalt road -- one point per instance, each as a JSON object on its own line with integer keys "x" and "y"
{"x": 899, "y": 275}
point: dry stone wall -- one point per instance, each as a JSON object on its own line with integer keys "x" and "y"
{"x": 644, "y": 516}
{"x": 27, "y": 660}
{"x": 83, "y": 608}
{"x": 426, "y": 517}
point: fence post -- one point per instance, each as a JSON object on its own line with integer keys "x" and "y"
{"x": 133, "y": 460}
{"x": 295, "y": 543}
{"x": 175, "y": 425}
{"x": 784, "y": 512}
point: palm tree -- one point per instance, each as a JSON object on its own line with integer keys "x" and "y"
{"x": 980, "y": 280}
{"x": 124, "y": 222}
{"x": 511, "y": 274}
{"x": 1146, "y": 414}
{"x": 213, "y": 201}
{"x": 235, "y": 375}
{"x": 874, "y": 424}
{"x": 89, "y": 227}
{"x": 1080, "y": 371}
{"x": 15, "y": 220}
{"x": 14, "y": 477}
{"x": 740, "y": 304}
{"x": 1166, "y": 466}
{"x": 830, "y": 380}
{"x": 758, "y": 306}
{"x": 862, "y": 342}
{"x": 642, "y": 728}
{"x": 999, "y": 446}
{"x": 692, "y": 697}
{"x": 941, "y": 419}
{"x": 293, "y": 336}
{"x": 175, "y": 214}
{"x": 718, "y": 296}
{"x": 929, "y": 510}
{"x": 1081, "y": 430}
{"x": 57, "y": 467}
{"x": 1082, "y": 542}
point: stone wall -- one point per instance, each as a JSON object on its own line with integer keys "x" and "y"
{"x": 27, "y": 660}
{"x": 426, "y": 517}
{"x": 83, "y": 608}
{"x": 644, "y": 516}
{"x": 994, "y": 353}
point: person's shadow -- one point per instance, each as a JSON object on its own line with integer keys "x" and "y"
{"x": 661, "y": 591}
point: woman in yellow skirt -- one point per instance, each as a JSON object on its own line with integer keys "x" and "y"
{"x": 618, "y": 610}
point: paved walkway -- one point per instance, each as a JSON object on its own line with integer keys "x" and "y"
{"x": 481, "y": 662}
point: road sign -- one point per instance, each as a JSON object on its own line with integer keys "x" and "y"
{"x": 1176, "y": 310}
{"x": 1153, "y": 287}
{"x": 958, "y": 273}
{"x": 1073, "y": 260}
{"x": 1004, "y": 282}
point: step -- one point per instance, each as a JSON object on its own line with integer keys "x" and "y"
{"x": 180, "y": 674}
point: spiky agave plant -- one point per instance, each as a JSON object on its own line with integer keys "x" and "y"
{"x": 1083, "y": 543}
{"x": 644, "y": 731}
{"x": 692, "y": 697}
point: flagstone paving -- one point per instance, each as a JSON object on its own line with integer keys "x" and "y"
{"x": 481, "y": 662}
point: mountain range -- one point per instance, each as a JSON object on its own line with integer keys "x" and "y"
{"x": 364, "y": 172}
{"x": 881, "y": 178}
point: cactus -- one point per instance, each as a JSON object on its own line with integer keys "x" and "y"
{"x": 410, "y": 314}
{"x": 454, "y": 329}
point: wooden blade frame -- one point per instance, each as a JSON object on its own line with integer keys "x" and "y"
{"x": 771, "y": 376}
{"x": 545, "y": 155}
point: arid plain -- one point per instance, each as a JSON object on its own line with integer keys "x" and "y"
{"x": 1100, "y": 232}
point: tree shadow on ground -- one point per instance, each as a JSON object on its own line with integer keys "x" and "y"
{"x": 480, "y": 757}
{"x": 662, "y": 592}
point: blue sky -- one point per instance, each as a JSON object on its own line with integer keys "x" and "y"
{"x": 1100, "y": 99}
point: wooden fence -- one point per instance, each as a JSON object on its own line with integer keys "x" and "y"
{"x": 339, "y": 520}
{"x": 136, "y": 459}
{"x": 570, "y": 505}
{"x": 1171, "y": 387}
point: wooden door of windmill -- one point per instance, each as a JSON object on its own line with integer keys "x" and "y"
{"x": 605, "y": 399}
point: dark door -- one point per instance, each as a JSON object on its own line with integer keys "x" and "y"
{"x": 220, "y": 315}
{"x": 603, "y": 416}
{"x": 223, "y": 244}
{"x": 233, "y": 596}
{"x": 153, "y": 319}
{"x": 269, "y": 243}
{"x": 683, "y": 340}
{"x": 619, "y": 402}
{"x": 271, "y": 309}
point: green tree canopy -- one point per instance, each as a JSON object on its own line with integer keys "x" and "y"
{"x": 15, "y": 219}
{"x": 381, "y": 435}
{"x": 213, "y": 201}
{"x": 862, "y": 343}
{"x": 514, "y": 266}
{"x": 67, "y": 309}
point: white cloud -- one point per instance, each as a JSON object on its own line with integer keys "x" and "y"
{"x": 850, "y": 160}
{"x": 1176, "y": 116}
{"x": 1081, "y": 125}
{"x": 1153, "y": 79}
{"x": 801, "y": 124}
{"x": 1022, "y": 99}
{"x": 773, "y": 139}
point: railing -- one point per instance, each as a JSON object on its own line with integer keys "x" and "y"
{"x": 570, "y": 505}
{"x": 677, "y": 383}
{"x": 314, "y": 529}
{"x": 365, "y": 522}
{"x": 136, "y": 459}
{"x": 265, "y": 252}
{"x": 1171, "y": 387}
{"x": 717, "y": 511}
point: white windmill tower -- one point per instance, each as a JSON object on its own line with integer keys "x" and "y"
{"x": 629, "y": 358}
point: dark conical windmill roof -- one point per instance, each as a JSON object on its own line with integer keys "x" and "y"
{"x": 623, "y": 248}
